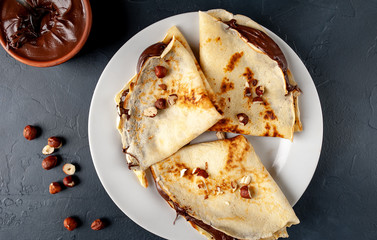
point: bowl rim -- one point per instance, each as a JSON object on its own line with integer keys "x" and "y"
{"x": 60, "y": 60}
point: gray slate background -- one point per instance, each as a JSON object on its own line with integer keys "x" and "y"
{"x": 337, "y": 41}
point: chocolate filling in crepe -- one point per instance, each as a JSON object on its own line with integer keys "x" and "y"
{"x": 224, "y": 191}
{"x": 165, "y": 106}
{"x": 249, "y": 75}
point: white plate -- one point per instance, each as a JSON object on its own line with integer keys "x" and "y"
{"x": 292, "y": 164}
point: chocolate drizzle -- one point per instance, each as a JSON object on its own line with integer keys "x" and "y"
{"x": 262, "y": 41}
{"x": 123, "y": 110}
{"x": 151, "y": 51}
{"x": 131, "y": 164}
{"x": 216, "y": 234}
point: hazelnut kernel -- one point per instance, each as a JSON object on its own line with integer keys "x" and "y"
{"x": 55, "y": 188}
{"x": 54, "y": 142}
{"x": 160, "y": 71}
{"x": 70, "y": 223}
{"x": 97, "y": 224}
{"x": 161, "y": 103}
{"x": 49, "y": 162}
{"x": 69, "y": 181}
{"x": 69, "y": 169}
{"x": 30, "y": 132}
{"x": 47, "y": 150}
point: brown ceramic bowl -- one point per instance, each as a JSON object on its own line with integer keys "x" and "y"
{"x": 72, "y": 51}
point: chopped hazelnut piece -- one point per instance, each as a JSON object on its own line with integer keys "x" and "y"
{"x": 161, "y": 103}
{"x": 172, "y": 99}
{"x": 246, "y": 180}
{"x": 243, "y": 118}
{"x": 150, "y": 112}
{"x": 245, "y": 192}
{"x": 259, "y": 90}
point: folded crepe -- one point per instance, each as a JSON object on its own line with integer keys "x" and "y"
{"x": 224, "y": 191}
{"x": 249, "y": 75}
{"x": 159, "y": 114}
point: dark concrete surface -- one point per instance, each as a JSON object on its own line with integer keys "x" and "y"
{"x": 337, "y": 41}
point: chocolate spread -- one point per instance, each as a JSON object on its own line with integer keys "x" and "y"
{"x": 151, "y": 51}
{"x": 50, "y": 30}
{"x": 216, "y": 234}
{"x": 265, "y": 44}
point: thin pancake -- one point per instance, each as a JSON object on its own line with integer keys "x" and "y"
{"x": 237, "y": 71}
{"x": 215, "y": 200}
{"x": 148, "y": 139}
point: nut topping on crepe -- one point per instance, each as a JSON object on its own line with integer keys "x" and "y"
{"x": 150, "y": 112}
{"x": 259, "y": 90}
{"x": 243, "y": 118}
{"x": 172, "y": 99}
{"x": 163, "y": 86}
{"x": 245, "y": 192}
{"x": 246, "y": 180}
{"x": 200, "y": 172}
{"x": 160, "y": 71}
{"x": 161, "y": 104}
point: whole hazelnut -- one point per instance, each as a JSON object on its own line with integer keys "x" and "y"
{"x": 97, "y": 225}
{"x": 30, "y": 132}
{"x": 54, "y": 142}
{"x": 70, "y": 223}
{"x": 49, "y": 162}
{"x": 68, "y": 181}
{"x": 69, "y": 169}
{"x": 160, "y": 71}
{"x": 55, "y": 187}
{"x": 161, "y": 103}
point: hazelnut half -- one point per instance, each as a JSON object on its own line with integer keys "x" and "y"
{"x": 49, "y": 162}
{"x": 243, "y": 118}
{"x": 47, "y": 150}
{"x": 69, "y": 169}
{"x": 54, "y": 142}
{"x": 259, "y": 90}
{"x": 97, "y": 224}
{"x": 160, "y": 71}
{"x": 30, "y": 132}
{"x": 245, "y": 192}
{"x": 172, "y": 99}
{"x": 161, "y": 103}
{"x": 55, "y": 188}
{"x": 70, "y": 223}
{"x": 68, "y": 181}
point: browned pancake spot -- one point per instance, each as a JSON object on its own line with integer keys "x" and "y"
{"x": 276, "y": 133}
{"x": 222, "y": 102}
{"x": 270, "y": 115}
{"x": 218, "y": 39}
{"x": 233, "y": 61}
{"x": 226, "y": 85}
